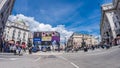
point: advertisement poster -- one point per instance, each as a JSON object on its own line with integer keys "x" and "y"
{"x": 56, "y": 38}
{"x": 46, "y": 38}
{"x": 37, "y": 35}
{"x": 37, "y": 41}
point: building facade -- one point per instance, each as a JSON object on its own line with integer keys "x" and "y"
{"x": 116, "y": 4}
{"x": 5, "y": 10}
{"x": 17, "y": 31}
{"x": 110, "y": 23}
{"x": 77, "y": 39}
{"x": 107, "y": 26}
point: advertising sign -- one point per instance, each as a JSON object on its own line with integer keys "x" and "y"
{"x": 46, "y": 34}
{"x": 46, "y": 38}
{"x": 56, "y": 38}
{"x": 37, "y": 41}
{"x": 37, "y": 34}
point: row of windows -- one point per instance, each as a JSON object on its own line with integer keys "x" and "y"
{"x": 116, "y": 25}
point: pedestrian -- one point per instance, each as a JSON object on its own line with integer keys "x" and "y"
{"x": 30, "y": 50}
{"x": 11, "y": 48}
{"x": 14, "y": 49}
{"x": 19, "y": 50}
{"x": 24, "y": 47}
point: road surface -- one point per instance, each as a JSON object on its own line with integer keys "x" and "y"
{"x": 93, "y": 59}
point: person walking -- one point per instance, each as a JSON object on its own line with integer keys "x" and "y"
{"x": 14, "y": 49}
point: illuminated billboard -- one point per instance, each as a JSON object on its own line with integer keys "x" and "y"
{"x": 37, "y": 41}
{"x": 55, "y": 38}
{"x": 46, "y": 37}
{"x": 37, "y": 35}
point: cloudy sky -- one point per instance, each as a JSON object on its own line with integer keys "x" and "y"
{"x": 66, "y": 16}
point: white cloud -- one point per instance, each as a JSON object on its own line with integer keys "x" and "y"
{"x": 37, "y": 26}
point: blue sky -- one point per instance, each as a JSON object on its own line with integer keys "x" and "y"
{"x": 77, "y": 15}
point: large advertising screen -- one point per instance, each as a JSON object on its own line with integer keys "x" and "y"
{"x": 37, "y": 35}
{"x": 37, "y": 41}
{"x": 46, "y": 38}
{"x": 55, "y": 38}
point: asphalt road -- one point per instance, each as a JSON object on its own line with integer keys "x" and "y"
{"x": 92, "y": 59}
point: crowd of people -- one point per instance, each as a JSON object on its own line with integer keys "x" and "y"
{"x": 85, "y": 48}
{"x": 13, "y": 48}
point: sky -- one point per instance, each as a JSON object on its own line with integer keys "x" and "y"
{"x": 66, "y": 16}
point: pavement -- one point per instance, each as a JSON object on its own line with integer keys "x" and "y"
{"x": 99, "y": 58}
{"x": 48, "y": 53}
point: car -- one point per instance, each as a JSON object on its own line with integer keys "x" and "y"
{"x": 35, "y": 49}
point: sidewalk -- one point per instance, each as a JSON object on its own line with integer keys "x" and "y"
{"x": 46, "y": 53}
{"x": 102, "y": 51}
{"x": 6, "y": 54}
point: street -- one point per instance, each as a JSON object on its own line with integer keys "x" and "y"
{"x": 99, "y": 58}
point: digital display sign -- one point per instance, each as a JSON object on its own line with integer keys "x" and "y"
{"x": 46, "y": 37}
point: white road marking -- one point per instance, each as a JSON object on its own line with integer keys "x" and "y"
{"x": 9, "y": 58}
{"x": 13, "y": 58}
{"x": 69, "y": 61}
{"x": 63, "y": 58}
{"x": 37, "y": 59}
{"x": 74, "y": 65}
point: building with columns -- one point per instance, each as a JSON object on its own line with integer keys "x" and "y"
{"x": 116, "y": 5}
{"x": 76, "y": 40}
{"x": 107, "y": 26}
{"x": 17, "y": 30}
{"x": 110, "y": 23}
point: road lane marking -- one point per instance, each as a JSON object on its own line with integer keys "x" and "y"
{"x": 9, "y": 58}
{"x": 73, "y": 64}
{"x": 13, "y": 58}
{"x": 63, "y": 58}
{"x": 37, "y": 59}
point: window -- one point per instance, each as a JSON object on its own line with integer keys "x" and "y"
{"x": 114, "y": 12}
{"x": 115, "y": 25}
{"x": 14, "y": 31}
{"x": 119, "y": 23}
{"x": 2, "y": 15}
{"x": 117, "y": 17}
{"x": 19, "y": 34}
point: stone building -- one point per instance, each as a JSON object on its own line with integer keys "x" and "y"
{"x": 17, "y": 30}
{"x": 5, "y": 10}
{"x": 76, "y": 40}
